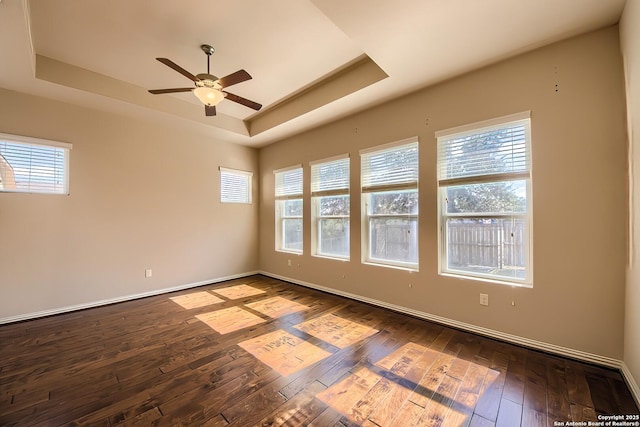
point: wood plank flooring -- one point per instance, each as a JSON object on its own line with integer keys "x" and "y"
{"x": 262, "y": 352}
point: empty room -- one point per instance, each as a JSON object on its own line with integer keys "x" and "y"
{"x": 320, "y": 212}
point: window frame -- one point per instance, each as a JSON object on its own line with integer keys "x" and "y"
{"x": 335, "y": 191}
{"x": 247, "y": 177}
{"x": 281, "y": 197}
{"x": 406, "y": 184}
{"x": 505, "y": 122}
{"x": 40, "y": 143}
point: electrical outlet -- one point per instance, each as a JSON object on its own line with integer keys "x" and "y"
{"x": 484, "y": 299}
{"x": 289, "y": 263}
{"x": 148, "y": 273}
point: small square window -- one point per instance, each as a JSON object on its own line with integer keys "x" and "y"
{"x": 31, "y": 165}
{"x": 235, "y": 186}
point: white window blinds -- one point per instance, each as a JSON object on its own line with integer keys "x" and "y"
{"x": 330, "y": 177}
{"x": 235, "y": 186}
{"x": 390, "y": 167}
{"x": 288, "y": 183}
{"x": 498, "y": 150}
{"x": 31, "y": 165}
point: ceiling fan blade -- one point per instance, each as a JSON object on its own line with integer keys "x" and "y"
{"x": 169, "y": 63}
{"x": 234, "y": 78}
{"x": 209, "y": 110}
{"x": 174, "y": 90}
{"x": 243, "y": 101}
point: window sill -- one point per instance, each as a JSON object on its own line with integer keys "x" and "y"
{"x": 409, "y": 268}
{"x": 457, "y": 275}
{"x": 289, "y": 251}
{"x": 335, "y": 258}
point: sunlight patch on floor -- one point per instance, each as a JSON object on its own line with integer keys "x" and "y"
{"x": 283, "y": 352}
{"x": 229, "y": 319}
{"x": 335, "y": 330}
{"x": 196, "y": 300}
{"x": 276, "y": 307}
{"x": 414, "y": 385}
{"x": 238, "y": 291}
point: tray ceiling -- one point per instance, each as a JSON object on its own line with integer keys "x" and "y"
{"x": 312, "y": 61}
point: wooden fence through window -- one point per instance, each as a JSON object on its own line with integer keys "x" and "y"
{"x": 486, "y": 243}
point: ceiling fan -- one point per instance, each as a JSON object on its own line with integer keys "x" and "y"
{"x": 209, "y": 88}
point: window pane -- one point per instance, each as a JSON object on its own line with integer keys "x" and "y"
{"x": 396, "y": 165}
{"x": 33, "y": 168}
{"x": 486, "y": 152}
{"x": 293, "y": 207}
{"x": 334, "y": 237}
{"x": 334, "y": 205}
{"x": 393, "y": 239}
{"x": 494, "y": 247}
{"x": 393, "y": 202}
{"x": 292, "y": 234}
{"x": 289, "y": 182}
{"x": 235, "y": 187}
{"x": 494, "y": 197}
{"x": 331, "y": 175}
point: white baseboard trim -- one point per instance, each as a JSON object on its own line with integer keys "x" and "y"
{"x": 631, "y": 382}
{"x": 44, "y": 313}
{"x": 491, "y": 333}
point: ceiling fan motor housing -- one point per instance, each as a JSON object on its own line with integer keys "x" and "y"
{"x": 208, "y": 80}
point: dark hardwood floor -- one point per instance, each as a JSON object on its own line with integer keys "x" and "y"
{"x": 272, "y": 353}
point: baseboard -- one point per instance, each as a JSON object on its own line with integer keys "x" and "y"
{"x": 631, "y": 382}
{"x": 29, "y": 316}
{"x": 491, "y": 333}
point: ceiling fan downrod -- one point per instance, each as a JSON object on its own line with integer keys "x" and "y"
{"x": 208, "y": 49}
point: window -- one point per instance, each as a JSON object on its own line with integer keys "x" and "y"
{"x": 31, "y": 165}
{"x": 390, "y": 204}
{"x": 484, "y": 192}
{"x": 330, "y": 211}
{"x": 235, "y": 186}
{"x": 289, "y": 209}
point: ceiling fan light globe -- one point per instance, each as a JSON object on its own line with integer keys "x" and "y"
{"x": 208, "y": 96}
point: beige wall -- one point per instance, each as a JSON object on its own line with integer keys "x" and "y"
{"x": 579, "y": 196}
{"x": 142, "y": 196}
{"x": 630, "y": 40}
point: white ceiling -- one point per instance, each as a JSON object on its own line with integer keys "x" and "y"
{"x": 105, "y": 51}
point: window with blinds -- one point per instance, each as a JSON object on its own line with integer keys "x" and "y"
{"x": 31, "y": 165}
{"x": 235, "y": 186}
{"x": 288, "y": 201}
{"x": 331, "y": 207}
{"x": 389, "y": 178}
{"x": 484, "y": 180}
